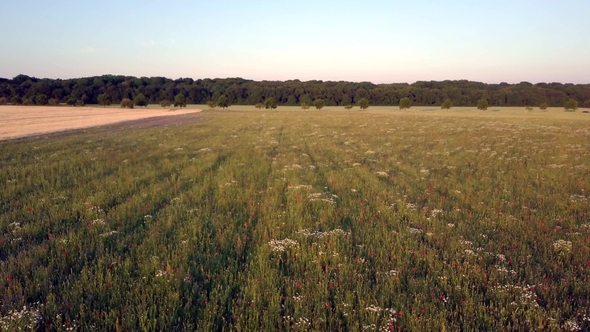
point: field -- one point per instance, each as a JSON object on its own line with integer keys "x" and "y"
{"x": 332, "y": 220}
{"x": 22, "y": 121}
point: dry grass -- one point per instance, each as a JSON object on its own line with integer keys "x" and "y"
{"x": 21, "y": 121}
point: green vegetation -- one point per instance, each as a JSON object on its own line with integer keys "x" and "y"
{"x": 140, "y": 100}
{"x": 53, "y": 102}
{"x": 41, "y": 100}
{"x": 259, "y": 105}
{"x": 348, "y": 107}
{"x": 304, "y": 106}
{"x": 483, "y": 104}
{"x": 319, "y": 104}
{"x": 3, "y": 101}
{"x": 270, "y": 103}
{"x": 571, "y": 105}
{"x": 405, "y": 103}
{"x": 165, "y": 103}
{"x": 543, "y": 106}
{"x": 247, "y": 92}
{"x": 179, "y": 100}
{"x": 16, "y": 100}
{"x": 332, "y": 221}
{"x": 363, "y": 103}
{"x": 126, "y": 103}
{"x": 222, "y": 102}
{"x": 104, "y": 99}
{"x": 447, "y": 105}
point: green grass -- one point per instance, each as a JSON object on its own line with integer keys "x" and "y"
{"x": 296, "y": 221}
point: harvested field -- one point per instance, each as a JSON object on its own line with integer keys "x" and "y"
{"x": 22, "y": 121}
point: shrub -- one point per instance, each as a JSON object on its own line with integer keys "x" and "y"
{"x": 571, "y": 105}
{"x": 304, "y": 106}
{"x": 586, "y": 104}
{"x": 483, "y": 104}
{"x": 41, "y": 100}
{"x": 528, "y": 108}
{"x": 447, "y": 104}
{"x": 27, "y": 102}
{"x": 211, "y": 104}
{"x": 80, "y": 103}
{"x": 363, "y": 103}
{"x": 53, "y": 102}
{"x": 165, "y": 103}
{"x": 348, "y": 107}
{"x": 71, "y": 101}
{"x": 259, "y": 105}
{"x": 319, "y": 104}
{"x": 126, "y": 103}
{"x": 405, "y": 103}
{"x": 3, "y": 101}
{"x": 543, "y": 106}
{"x": 16, "y": 100}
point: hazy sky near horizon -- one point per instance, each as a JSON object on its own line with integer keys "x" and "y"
{"x": 381, "y": 41}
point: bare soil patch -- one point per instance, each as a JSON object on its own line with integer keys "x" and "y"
{"x": 24, "y": 121}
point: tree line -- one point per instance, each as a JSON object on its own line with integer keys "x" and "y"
{"x": 114, "y": 89}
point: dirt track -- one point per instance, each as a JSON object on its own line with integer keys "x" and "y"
{"x": 25, "y": 121}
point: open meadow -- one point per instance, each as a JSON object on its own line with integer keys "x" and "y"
{"x": 291, "y": 220}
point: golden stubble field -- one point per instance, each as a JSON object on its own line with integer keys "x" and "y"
{"x": 22, "y": 121}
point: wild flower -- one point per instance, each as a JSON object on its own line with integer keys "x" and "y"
{"x": 281, "y": 245}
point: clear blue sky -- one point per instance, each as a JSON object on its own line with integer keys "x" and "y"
{"x": 381, "y": 41}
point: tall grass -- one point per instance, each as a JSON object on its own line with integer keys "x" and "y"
{"x": 299, "y": 221}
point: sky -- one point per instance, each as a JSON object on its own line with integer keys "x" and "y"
{"x": 380, "y": 41}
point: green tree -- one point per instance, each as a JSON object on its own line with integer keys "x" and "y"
{"x": 211, "y": 104}
{"x": 126, "y": 103}
{"x": 259, "y": 105}
{"x": 482, "y": 104}
{"x": 571, "y": 105}
{"x": 271, "y": 103}
{"x": 104, "y": 99}
{"x": 222, "y": 102}
{"x": 179, "y": 100}
{"x": 363, "y": 103}
{"x": 41, "y": 100}
{"x": 140, "y": 100}
{"x": 447, "y": 104}
{"x": 319, "y": 104}
{"x": 405, "y": 103}
{"x": 165, "y": 103}
{"x": 16, "y": 100}
{"x": 543, "y": 106}
{"x": 304, "y": 106}
{"x": 3, "y": 101}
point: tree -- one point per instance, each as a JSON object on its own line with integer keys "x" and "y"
{"x": 348, "y": 107}
{"x": 319, "y": 104}
{"x": 27, "y": 102}
{"x": 41, "y": 100}
{"x": 126, "y": 103}
{"x": 482, "y": 104}
{"x": 3, "y": 101}
{"x": 222, "y": 102}
{"x": 270, "y": 103}
{"x": 104, "y": 99}
{"x": 304, "y": 106}
{"x": 179, "y": 100}
{"x": 80, "y": 103}
{"x": 140, "y": 100}
{"x": 53, "y": 102}
{"x": 571, "y": 105}
{"x": 259, "y": 105}
{"x": 363, "y": 103}
{"x": 211, "y": 104}
{"x": 543, "y": 106}
{"x": 165, "y": 103}
{"x": 586, "y": 104}
{"x": 405, "y": 103}
{"x": 16, "y": 100}
{"x": 447, "y": 104}
{"x": 71, "y": 101}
